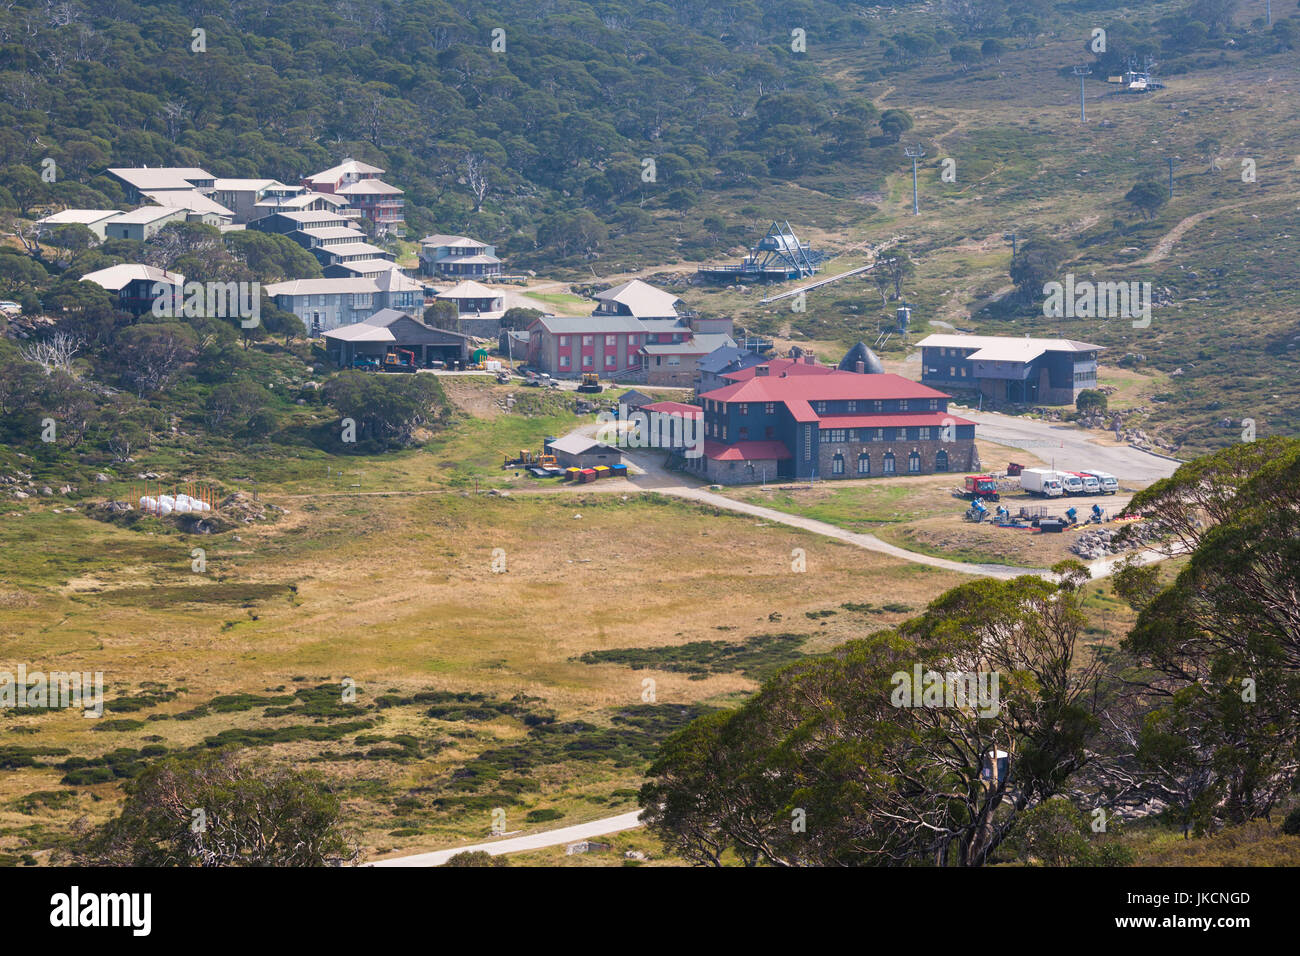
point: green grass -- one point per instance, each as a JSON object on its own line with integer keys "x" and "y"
{"x": 563, "y": 299}
{"x": 757, "y": 657}
{"x": 858, "y": 508}
{"x": 966, "y": 553}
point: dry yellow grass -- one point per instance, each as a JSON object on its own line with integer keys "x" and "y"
{"x": 398, "y": 594}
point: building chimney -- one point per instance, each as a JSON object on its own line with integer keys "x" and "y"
{"x": 761, "y": 371}
{"x": 860, "y": 367}
{"x": 810, "y": 360}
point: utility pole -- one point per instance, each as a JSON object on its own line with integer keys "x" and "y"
{"x": 914, "y": 153}
{"x": 1171, "y": 177}
{"x": 1012, "y": 237}
{"x": 1081, "y": 72}
{"x": 1268, "y": 11}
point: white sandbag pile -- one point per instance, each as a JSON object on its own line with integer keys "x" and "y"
{"x": 166, "y": 504}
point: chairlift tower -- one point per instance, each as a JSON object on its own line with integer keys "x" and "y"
{"x": 1082, "y": 72}
{"x": 914, "y": 153}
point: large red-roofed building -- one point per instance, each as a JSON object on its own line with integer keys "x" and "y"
{"x": 783, "y": 421}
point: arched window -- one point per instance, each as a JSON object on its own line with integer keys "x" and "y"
{"x": 889, "y": 463}
{"x": 837, "y": 464}
{"x": 941, "y": 460}
{"x": 864, "y": 464}
{"x": 914, "y": 463}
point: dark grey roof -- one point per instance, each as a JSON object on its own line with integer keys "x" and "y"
{"x": 860, "y": 353}
{"x": 408, "y": 329}
{"x": 729, "y": 358}
{"x": 635, "y": 399}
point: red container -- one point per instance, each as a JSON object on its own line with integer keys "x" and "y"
{"x": 587, "y": 474}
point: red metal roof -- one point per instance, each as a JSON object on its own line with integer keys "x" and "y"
{"x": 746, "y": 451}
{"x": 776, "y": 367}
{"x": 674, "y": 408}
{"x": 834, "y": 385}
{"x": 892, "y": 420}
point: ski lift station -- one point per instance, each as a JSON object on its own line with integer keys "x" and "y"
{"x": 778, "y": 257}
{"x": 1135, "y": 81}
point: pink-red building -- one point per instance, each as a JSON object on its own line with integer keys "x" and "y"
{"x": 568, "y": 346}
{"x": 366, "y": 194}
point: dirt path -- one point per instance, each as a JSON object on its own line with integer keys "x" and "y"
{"x": 1186, "y": 225}
{"x": 1161, "y": 251}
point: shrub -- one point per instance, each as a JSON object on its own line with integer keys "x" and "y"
{"x": 477, "y": 858}
{"x": 1092, "y": 399}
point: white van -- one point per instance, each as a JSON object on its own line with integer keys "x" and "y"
{"x": 1108, "y": 482}
{"x": 1090, "y": 484}
{"x": 1071, "y": 482}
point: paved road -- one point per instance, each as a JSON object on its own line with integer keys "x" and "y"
{"x": 868, "y": 542}
{"x": 1068, "y": 447}
{"x": 533, "y": 841}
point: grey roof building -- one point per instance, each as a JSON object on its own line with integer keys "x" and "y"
{"x": 581, "y": 451}
{"x": 1008, "y": 369}
{"x": 389, "y": 330}
{"x": 728, "y": 358}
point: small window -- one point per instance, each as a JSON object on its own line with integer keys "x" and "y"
{"x": 586, "y": 340}
{"x": 564, "y": 340}
{"x": 889, "y": 463}
{"x": 853, "y": 406}
{"x": 610, "y": 340}
{"x": 902, "y": 404}
{"x": 837, "y": 465}
{"x": 744, "y": 408}
{"x": 914, "y": 463}
{"x": 769, "y": 408}
{"x": 864, "y": 464}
